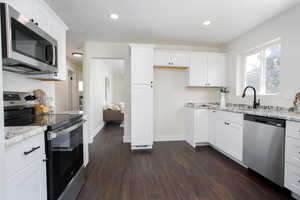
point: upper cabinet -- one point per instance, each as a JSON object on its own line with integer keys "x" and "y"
{"x": 168, "y": 58}
{"x": 207, "y": 70}
{"x": 141, "y": 62}
{"x": 49, "y": 22}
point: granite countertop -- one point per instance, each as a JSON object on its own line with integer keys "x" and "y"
{"x": 15, "y": 134}
{"x": 265, "y": 111}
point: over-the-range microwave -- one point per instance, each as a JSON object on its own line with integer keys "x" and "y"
{"x": 26, "y": 48}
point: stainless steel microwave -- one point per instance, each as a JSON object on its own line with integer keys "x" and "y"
{"x": 26, "y": 48}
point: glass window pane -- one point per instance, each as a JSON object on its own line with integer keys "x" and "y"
{"x": 272, "y": 69}
{"x": 253, "y": 71}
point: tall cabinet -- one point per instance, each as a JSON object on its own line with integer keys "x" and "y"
{"x": 141, "y": 97}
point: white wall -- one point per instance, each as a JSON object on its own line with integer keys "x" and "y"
{"x": 286, "y": 26}
{"x": 61, "y": 87}
{"x": 20, "y": 83}
{"x": 118, "y": 87}
{"x": 93, "y": 53}
{"x": 170, "y": 94}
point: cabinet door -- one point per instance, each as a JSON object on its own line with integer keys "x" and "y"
{"x": 222, "y": 139}
{"x": 142, "y": 115}
{"x": 212, "y": 127}
{"x": 28, "y": 183}
{"x": 216, "y": 70}
{"x": 201, "y": 121}
{"x": 197, "y": 75}
{"x": 189, "y": 118}
{"x": 180, "y": 59}
{"x": 142, "y": 65}
{"x": 171, "y": 58}
{"x": 235, "y": 141}
{"x": 162, "y": 58}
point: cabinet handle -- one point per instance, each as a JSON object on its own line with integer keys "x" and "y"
{"x": 37, "y": 24}
{"x": 226, "y": 123}
{"x": 31, "y": 20}
{"x": 32, "y": 150}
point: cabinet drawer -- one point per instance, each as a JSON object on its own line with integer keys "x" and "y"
{"x": 21, "y": 155}
{"x": 236, "y": 118}
{"x": 292, "y": 178}
{"x": 292, "y": 151}
{"x": 293, "y": 129}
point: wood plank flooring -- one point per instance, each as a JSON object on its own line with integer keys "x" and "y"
{"x": 171, "y": 171}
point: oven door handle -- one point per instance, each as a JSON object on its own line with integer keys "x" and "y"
{"x": 54, "y": 134}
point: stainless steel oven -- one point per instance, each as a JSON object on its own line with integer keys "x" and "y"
{"x": 64, "y": 150}
{"x": 26, "y": 49}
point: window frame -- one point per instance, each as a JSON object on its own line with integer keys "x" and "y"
{"x": 261, "y": 50}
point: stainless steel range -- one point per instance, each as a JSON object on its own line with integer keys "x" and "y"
{"x": 63, "y": 142}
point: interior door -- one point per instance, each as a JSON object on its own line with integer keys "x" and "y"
{"x": 216, "y": 70}
{"x": 142, "y": 65}
{"x": 198, "y": 70}
{"x": 142, "y": 115}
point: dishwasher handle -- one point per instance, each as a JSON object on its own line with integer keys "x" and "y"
{"x": 265, "y": 120}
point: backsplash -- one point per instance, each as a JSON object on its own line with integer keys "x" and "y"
{"x": 20, "y": 83}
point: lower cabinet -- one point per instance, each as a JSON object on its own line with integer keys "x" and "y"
{"x": 292, "y": 158}
{"x": 229, "y": 135}
{"x": 28, "y": 183}
{"x": 196, "y": 126}
{"x": 220, "y": 129}
{"x": 25, "y": 170}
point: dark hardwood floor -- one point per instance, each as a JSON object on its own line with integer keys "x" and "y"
{"x": 171, "y": 171}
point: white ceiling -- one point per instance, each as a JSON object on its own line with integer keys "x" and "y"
{"x": 164, "y": 21}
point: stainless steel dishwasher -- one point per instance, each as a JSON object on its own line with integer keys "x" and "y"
{"x": 263, "y": 149}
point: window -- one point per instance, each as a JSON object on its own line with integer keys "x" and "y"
{"x": 262, "y": 69}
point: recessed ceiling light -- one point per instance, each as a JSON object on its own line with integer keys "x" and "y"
{"x": 206, "y": 23}
{"x": 114, "y": 16}
{"x": 77, "y": 54}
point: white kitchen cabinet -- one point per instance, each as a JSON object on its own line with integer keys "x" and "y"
{"x": 168, "y": 58}
{"x": 212, "y": 122}
{"x": 49, "y": 22}
{"x": 196, "y": 126}
{"x": 26, "y": 171}
{"x": 292, "y": 158}
{"x": 28, "y": 183}
{"x": 141, "y": 98}
{"x": 229, "y": 134}
{"x": 216, "y": 69}
{"x": 207, "y": 70}
{"x": 141, "y": 63}
{"x": 197, "y": 73}
{"x": 142, "y": 120}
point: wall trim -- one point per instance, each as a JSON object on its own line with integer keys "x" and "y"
{"x": 165, "y": 138}
{"x": 95, "y": 132}
{"x": 158, "y": 138}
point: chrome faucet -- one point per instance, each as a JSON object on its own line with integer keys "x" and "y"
{"x": 255, "y": 103}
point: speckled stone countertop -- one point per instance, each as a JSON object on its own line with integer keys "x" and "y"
{"x": 266, "y": 111}
{"x": 16, "y": 134}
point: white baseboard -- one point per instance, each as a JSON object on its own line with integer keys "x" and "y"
{"x": 165, "y": 138}
{"x": 159, "y": 138}
{"x": 95, "y": 132}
